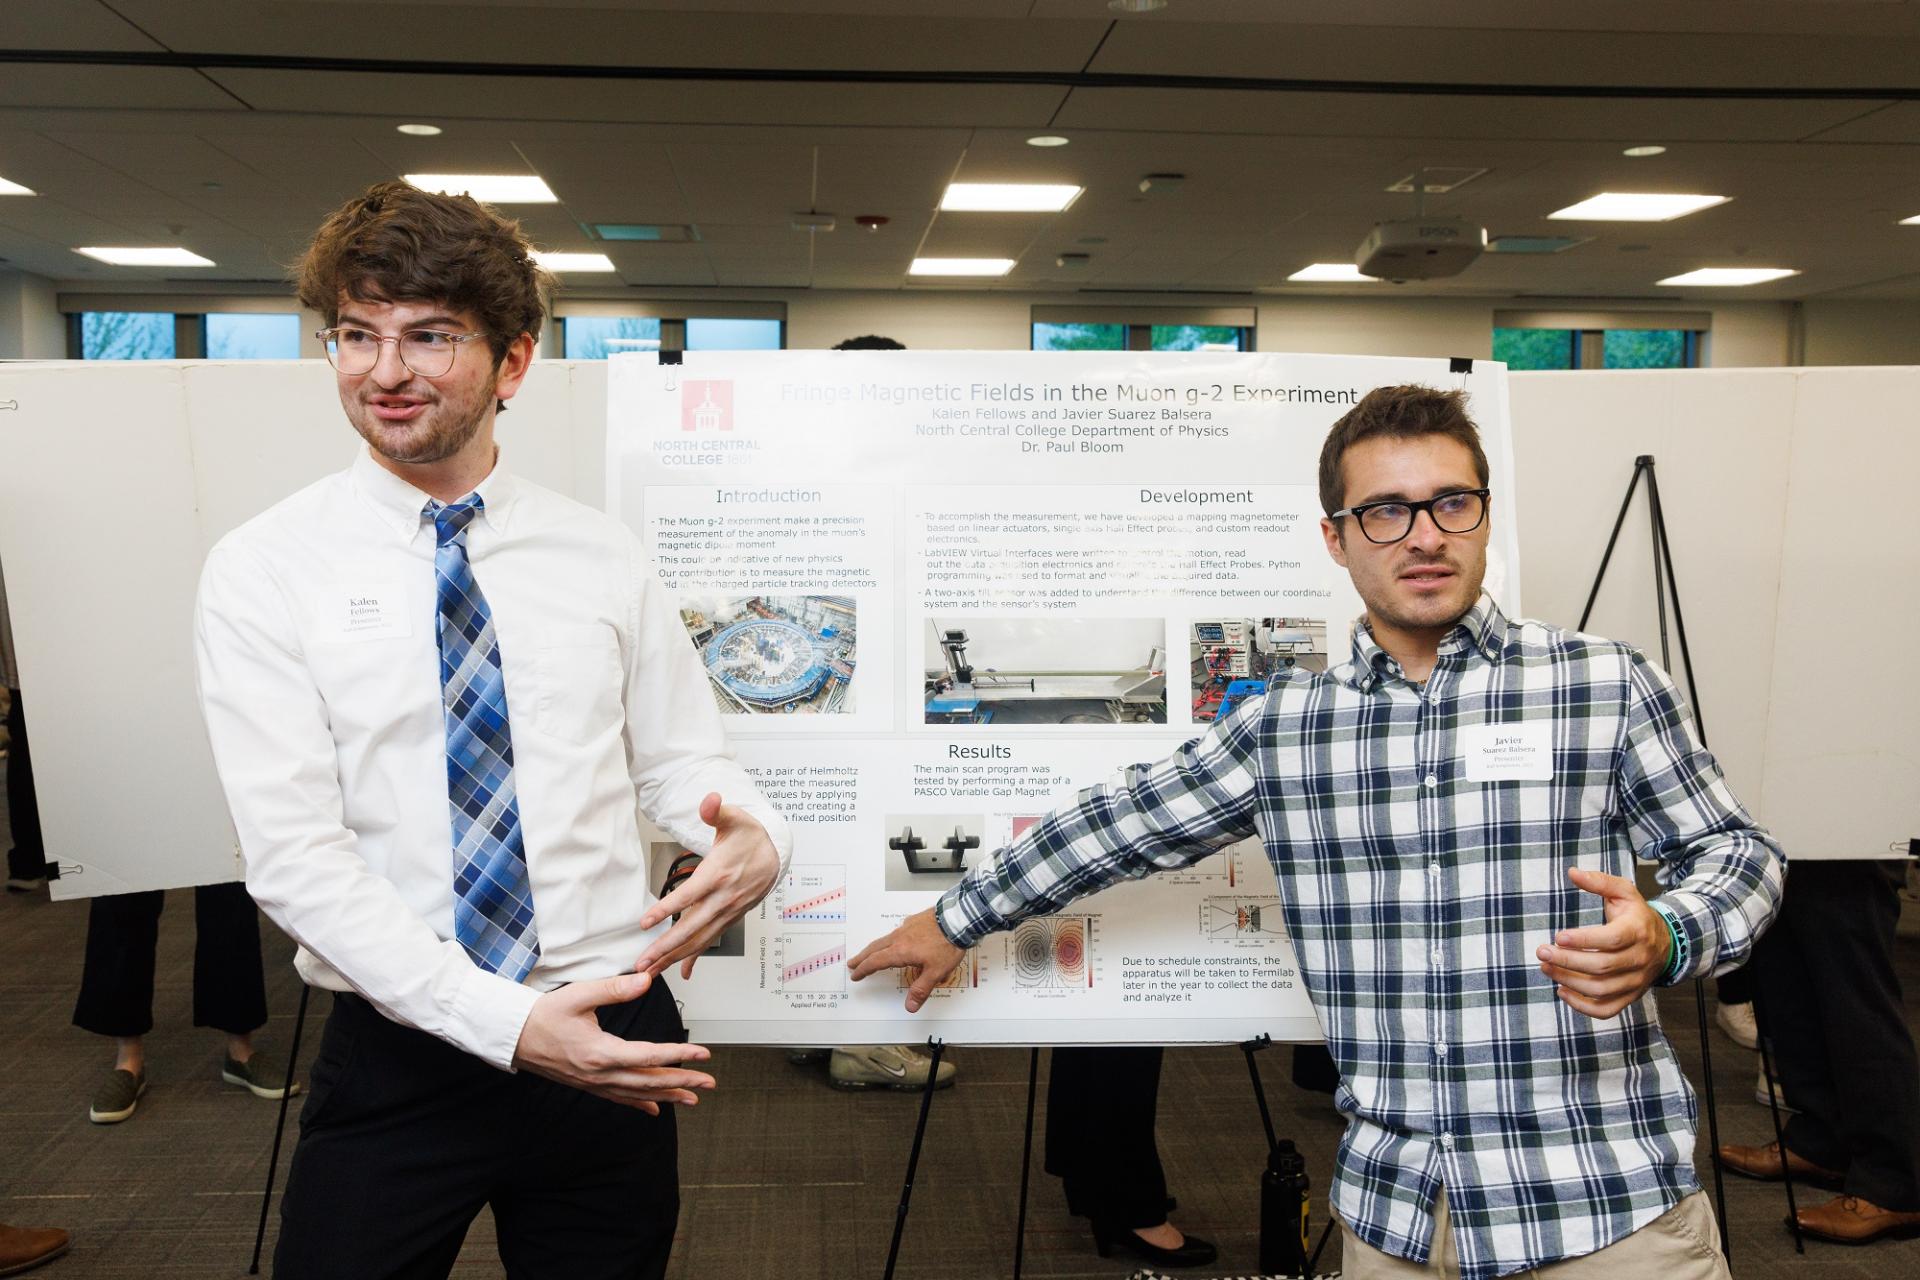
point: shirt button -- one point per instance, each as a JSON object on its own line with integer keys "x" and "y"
{"x": 1446, "y": 1140}
{"x": 1432, "y": 781}
{"x": 1433, "y": 869}
{"x": 1437, "y": 957}
{"x": 1439, "y": 1049}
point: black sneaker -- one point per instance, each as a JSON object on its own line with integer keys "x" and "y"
{"x": 260, "y": 1076}
{"x": 117, "y": 1096}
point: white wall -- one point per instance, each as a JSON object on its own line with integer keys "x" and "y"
{"x": 1861, "y": 332}
{"x": 31, "y": 326}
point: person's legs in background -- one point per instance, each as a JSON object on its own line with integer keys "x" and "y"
{"x": 1101, "y": 1107}
{"x": 27, "y": 858}
{"x": 229, "y": 985}
{"x": 116, "y": 994}
{"x": 1833, "y": 1013}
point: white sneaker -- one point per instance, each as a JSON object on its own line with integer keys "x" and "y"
{"x": 1779, "y": 1094}
{"x": 1738, "y": 1022}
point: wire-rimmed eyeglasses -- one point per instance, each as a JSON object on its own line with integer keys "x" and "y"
{"x": 427, "y": 352}
{"x": 1457, "y": 511}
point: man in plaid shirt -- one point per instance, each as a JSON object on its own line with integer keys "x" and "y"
{"x": 1452, "y": 816}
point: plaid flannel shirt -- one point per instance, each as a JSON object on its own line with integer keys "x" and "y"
{"x": 1416, "y": 899}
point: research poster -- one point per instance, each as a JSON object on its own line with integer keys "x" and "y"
{"x": 937, "y": 593}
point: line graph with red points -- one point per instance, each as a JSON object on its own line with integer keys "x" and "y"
{"x": 812, "y": 895}
{"x": 812, "y": 962}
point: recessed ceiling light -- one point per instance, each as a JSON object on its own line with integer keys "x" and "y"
{"x": 156, "y": 257}
{"x": 419, "y": 130}
{"x": 556, "y": 261}
{"x": 1634, "y": 206}
{"x": 1332, "y": 273}
{"x": 492, "y": 188}
{"x": 1009, "y": 197}
{"x": 14, "y": 189}
{"x": 960, "y": 266}
{"x": 1730, "y": 276}
{"x": 1639, "y": 152}
{"x": 1914, "y": 221}
{"x": 1047, "y": 140}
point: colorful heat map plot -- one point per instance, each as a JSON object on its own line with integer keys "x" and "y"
{"x": 1051, "y": 952}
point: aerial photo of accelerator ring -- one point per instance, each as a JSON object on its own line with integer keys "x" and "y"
{"x": 776, "y": 655}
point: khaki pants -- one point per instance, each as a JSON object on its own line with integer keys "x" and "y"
{"x": 1681, "y": 1244}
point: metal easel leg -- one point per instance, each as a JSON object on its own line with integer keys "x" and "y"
{"x": 913, "y": 1159}
{"x": 279, "y": 1128}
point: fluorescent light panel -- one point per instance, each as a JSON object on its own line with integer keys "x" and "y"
{"x": 1332, "y": 273}
{"x": 14, "y": 189}
{"x": 960, "y": 266}
{"x": 492, "y": 188}
{"x": 154, "y": 257}
{"x": 1636, "y": 206}
{"x": 556, "y": 261}
{"x": 1914, "y": 221}
{"x": 1730, "y": 276}
{"x": 1008, "y": 197}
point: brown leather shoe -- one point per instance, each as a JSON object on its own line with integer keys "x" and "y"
{"x": 1851, "y": 1220}
{"x": 1764, "y": 1163}
{"x": 24, "y": 1248}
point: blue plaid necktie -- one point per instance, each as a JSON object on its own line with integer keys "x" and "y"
{"x": 493, "y": 897}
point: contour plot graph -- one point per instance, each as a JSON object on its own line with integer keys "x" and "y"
{"x": 811, "y": 962}
{"x": 1051, "y": 953}
{"x": 812, "y": 895}
{"x": 1242, "y": 919}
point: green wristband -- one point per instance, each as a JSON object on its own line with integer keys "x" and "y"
{"x": 1677, "y": 950}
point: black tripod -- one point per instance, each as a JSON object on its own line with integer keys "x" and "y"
{"x": 1665, "y": 587}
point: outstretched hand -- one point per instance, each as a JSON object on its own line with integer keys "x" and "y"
{"x": 917, "y": 945}
{"x": 734, "y": 875}
{"x": 1601, "y": 969}
{"x": 563, "y": 1040}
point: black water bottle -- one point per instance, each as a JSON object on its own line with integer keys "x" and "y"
{"x": 1283, "y": 1212}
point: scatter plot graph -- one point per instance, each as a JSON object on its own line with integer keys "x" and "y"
{"x": 1051, "y": 952}
{"x": 1246, "y": 918}
{"x": 812, "y": 895}
{"x": 811, "y": 962}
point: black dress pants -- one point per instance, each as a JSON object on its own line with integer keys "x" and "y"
{"x": 116, "y": 987}
{"x": 404, "y": 1138}
{"x": 1101, "y": 1107}
{"x": 27, "y": 859}
{"x": 1831, "y": 1007}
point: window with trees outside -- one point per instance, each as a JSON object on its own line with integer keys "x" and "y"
{"x": 1580, "y": 348}
{"x": 1158, "y": 329}
{"x": 126, "y": 335}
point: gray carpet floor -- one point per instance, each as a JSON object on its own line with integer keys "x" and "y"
{"x": 781, "y": 1175}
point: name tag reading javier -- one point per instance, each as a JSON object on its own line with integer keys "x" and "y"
{"x": 374, "y": 612}
{"x": 1508, "y": 752}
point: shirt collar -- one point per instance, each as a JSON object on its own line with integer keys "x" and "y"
{"x": 1483, "y": 628}
{"x": 398, "y": 504}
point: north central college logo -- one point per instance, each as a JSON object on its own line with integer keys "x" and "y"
{"x": 707, "y": 405}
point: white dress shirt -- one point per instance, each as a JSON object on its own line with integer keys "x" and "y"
{"x": 319, "y": 666}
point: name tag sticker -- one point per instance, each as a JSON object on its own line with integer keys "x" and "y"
{"x": 1508, "y": 752}
{"x": 370, "y": 612}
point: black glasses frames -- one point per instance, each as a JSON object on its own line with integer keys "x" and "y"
{"x": 1456, "y": 511}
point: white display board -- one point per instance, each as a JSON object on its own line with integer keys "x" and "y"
{"x": 937, "y": 593}
{"x": 1795, "y": 572}
{"x": 1796, "y": 563}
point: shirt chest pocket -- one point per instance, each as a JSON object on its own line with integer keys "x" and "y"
{"x": 577, "y": 680}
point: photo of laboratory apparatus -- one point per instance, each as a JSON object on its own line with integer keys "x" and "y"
{"x": 1046, "y": 671}
{"x": 1233, "y": 659}
{"x": 776, "y": 654}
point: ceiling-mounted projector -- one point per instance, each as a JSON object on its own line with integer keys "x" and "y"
{"x": 1420, "y": 248}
